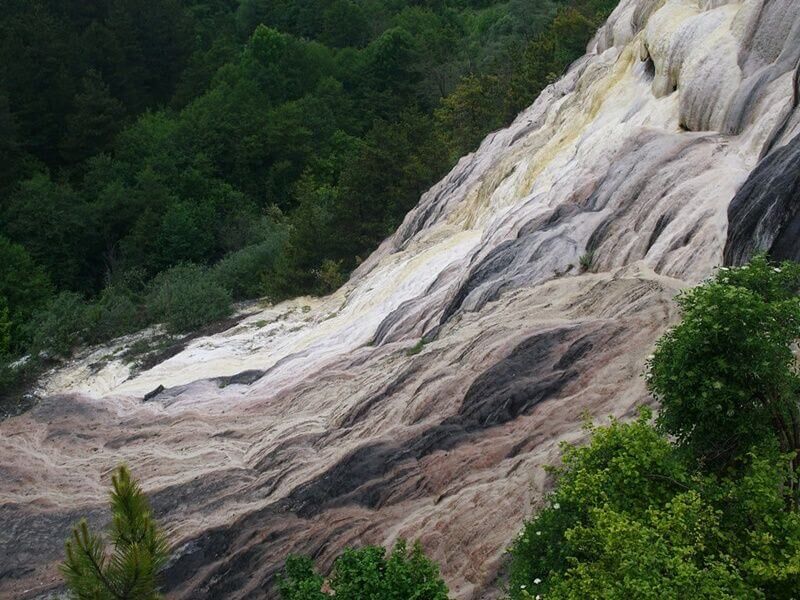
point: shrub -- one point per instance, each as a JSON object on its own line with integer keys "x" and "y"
{"x": 24, "y": 286}
{"x": 626, "y": 467}
{"x": 367, "y": 573}
{"x": 115, "y": 313}
{"x": 416, "y": 348}
{"x": 629, "y": 518}
{"x": 299, "y": 581}
{"x": 187, "y": 297}
{"x": 664, "y": 554}
{"x": 726, "y": 375}
{"x": 6, "y": 371}
{"x": 60, "y": 326}
{"x": 7, "y": 375}
{"x": 184, "y": 234}
{"x": 5, "y": 328}
{"x": 330, "y": 276}
{"x": 242, "y": 273}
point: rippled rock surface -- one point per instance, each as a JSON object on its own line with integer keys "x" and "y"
{"x": 310, "y": 426}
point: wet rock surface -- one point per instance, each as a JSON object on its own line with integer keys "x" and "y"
{"x": 765, "y": 214}
{"x": 310, "y": 426}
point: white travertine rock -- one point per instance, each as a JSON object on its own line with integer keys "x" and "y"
{"x": 308, "y": 426}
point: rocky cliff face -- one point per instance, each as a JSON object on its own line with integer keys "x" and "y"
{"x": 669, "y": 148}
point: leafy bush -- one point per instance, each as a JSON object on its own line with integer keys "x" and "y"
{"x": 330, "y": 276}
{"x": 61, "y": 326}
{"x": 629, "y": 518}
{"x": 116, "y": 312}
{"x": 242, "y": 273}
{"x": 6, "y": 372}
{"x": 416, "y": 348}
{"x": 185, "y": 233}
{"x": 5, "y": 329}
{"x": 626, "y": 467}
{"x": 472, "y": 109}
{"x": 726, "y": 375}
{"x": 187, "y": 297}
{"x": 662, "y": 554}
{"x": 54, "y": 224}
{"x": 24, "y": 286}
{"x": 366, "y": 573}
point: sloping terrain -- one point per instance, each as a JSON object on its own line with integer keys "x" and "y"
{"x": 423, "y": 398}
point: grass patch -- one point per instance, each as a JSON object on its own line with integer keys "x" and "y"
{"x": 416, "y": 348}
{"x": 586, "y": 261}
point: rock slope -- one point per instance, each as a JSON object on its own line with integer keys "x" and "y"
{"x": 423, "y": 398}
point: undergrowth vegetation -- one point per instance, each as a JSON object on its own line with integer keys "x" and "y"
{"x": 366, "y": 573}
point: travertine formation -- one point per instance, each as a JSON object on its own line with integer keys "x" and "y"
{"x": 309, "y": 426}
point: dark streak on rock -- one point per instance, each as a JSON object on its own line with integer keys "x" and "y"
{"x": 24, "y": 536}
{"x": 357, "y": 413}
{"x": 533, "y": 372}
{"x": 661, "y": 225}
{"x": 764, "y": 216}
{"x": 496, "y": 261}
{"x": 224, "y": 562}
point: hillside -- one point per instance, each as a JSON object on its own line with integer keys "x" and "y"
{"x": 423, "y": 397}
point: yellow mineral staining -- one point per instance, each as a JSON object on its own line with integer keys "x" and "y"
{"x": 607, "y": 132}
{"x": 552, "y": 155}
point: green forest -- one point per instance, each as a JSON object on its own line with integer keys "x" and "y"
{"x": 161, "y": 159}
